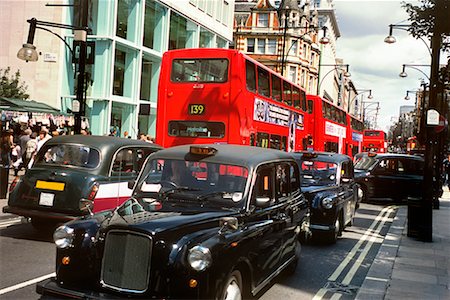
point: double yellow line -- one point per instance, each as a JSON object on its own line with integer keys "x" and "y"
{"x": 371, "y": 234}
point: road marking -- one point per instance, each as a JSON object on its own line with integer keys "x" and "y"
{"x": 26, "y": 283}
{"x": 385, "y": 212}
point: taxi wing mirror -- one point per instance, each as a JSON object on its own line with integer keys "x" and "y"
{"x": 131, "y": 184}
{"x": 262, "y": 202}
{"x": 345, "y": 180}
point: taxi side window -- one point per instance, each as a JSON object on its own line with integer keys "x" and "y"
{"x": 264, "y": 186}
{"x": 125, "y": 162}
{"x": 347, "y": 170}
{"x": 387, "y": 166}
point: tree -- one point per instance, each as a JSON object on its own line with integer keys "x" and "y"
{"x": 424, "y": 18}
{"x": 11, "y": 86}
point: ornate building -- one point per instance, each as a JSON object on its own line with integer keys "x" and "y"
{"x": 285, "y": 38}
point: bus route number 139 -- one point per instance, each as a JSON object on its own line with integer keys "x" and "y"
{"x": 196, "y": 109}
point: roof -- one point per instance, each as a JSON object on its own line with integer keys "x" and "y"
{"x": 26, "y": 106}
{"x": 107, "y": 145}
{"x": 247, "y": 156}
{"x": 324, "y": 156}
{"x": 99, "y": 141}
{"x": 392, "y": 155}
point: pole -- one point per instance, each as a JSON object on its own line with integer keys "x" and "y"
{"x": 283, "y": 59}
{"x": 81, "y": 36}
{"x": 431, "y": 164}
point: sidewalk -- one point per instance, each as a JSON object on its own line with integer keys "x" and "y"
{"x": 406, "y": 268}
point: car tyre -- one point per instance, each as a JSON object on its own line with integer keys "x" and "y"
{"x": 333, "y": 236}
{"x": 233, "y": 288}
{"x": 364, "y": 193}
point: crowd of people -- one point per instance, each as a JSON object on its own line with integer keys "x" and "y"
{"x": 19, "y": 145}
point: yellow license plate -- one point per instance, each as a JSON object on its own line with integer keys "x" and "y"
{"x": 54, "y": 186}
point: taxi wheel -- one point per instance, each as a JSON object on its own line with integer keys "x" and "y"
{"x": 333, "y": 236}
{"x": 233, "y": 287}
{"x": 364, "y": 193}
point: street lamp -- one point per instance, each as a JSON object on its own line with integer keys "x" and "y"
{"x": 365, "y": 109}
{"x": 358, "y": 93}
{"x": 335, "y": 67}
{"x": 403, "y": 74}
{"x": 323, "y": 40}
{"x": 28, "y": 53}
{"x": 390, "y": 39}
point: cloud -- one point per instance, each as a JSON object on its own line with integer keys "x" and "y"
{"x": 374, "y": 64}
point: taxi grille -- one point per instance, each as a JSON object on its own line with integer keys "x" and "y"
{"x": 126, "y": 261}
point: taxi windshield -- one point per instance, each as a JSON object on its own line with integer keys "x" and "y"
{"x": 318, "y": 173}
{"x": 365, "y": 163}
{"x": 193, "y": 181}
{"x": 68, "y": 155}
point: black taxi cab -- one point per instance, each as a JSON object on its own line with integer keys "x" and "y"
{"x": 77, "y": 175}
{"x": 389, "y": 176}
{"x": 327, "y": 180}
{"x": 204, "y": 221}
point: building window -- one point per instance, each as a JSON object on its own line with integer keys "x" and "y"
{"x": 153, "y": 25}
{"x": 221, "y": 43}
{"x": 251, "y": 45}
{"x": 261, "y": 46}
{"x": 182, "y": 32}
{"x": 126, "y": 19}
{"x": 119, "y": 72}
{"x": 294, "y": 48}
{"x": 292, "y": 74}
{"x": 271, "y": 46}
{"x": 263, "y": 20}
{"x": 146, "y": 79}
{"x": 206, "y": 38}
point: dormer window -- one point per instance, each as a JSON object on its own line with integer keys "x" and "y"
{"x": 263, "y": 20}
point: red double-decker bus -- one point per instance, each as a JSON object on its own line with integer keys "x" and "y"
{"x": 329, "y": 124}
{"x": 224, "y": 96}
{"x": 355, "y": 134}
{"x": 374, "y": 141}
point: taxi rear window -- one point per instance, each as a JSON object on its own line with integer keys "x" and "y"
{"x": 69, "y": 155}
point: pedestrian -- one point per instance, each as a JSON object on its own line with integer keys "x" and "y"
{"x": 6, "y": 146}
{"x": 43, "y": 137}
{"x": 16, "y": 159}
{"x": 31, "y": 150}
{"x": 23, "y": 139}
{"x": 447, "y": 170}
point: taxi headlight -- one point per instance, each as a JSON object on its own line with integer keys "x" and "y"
{"x": 199, "y": 258}
{"x": 327, "y": 203}
{"x": 63, "y": 236}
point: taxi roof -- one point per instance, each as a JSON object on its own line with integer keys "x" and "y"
{"x": 323, "y": 156}
{"x": 247, "y": 156}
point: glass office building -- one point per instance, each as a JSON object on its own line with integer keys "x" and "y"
{"x": 130, "y": 37}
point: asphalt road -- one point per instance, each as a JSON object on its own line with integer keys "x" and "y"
{"x": 324, "y": 271}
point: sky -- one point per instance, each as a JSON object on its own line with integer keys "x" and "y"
{"x": 375, "y": 64}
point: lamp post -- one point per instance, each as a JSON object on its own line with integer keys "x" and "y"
{"x": 323, "y": 40}
{"x": 390, "y": 39}
{"x": 28, "y": 53}
{"x": 335, "y": 67}
{"x": 403, "y": 73}
{"x": 432, "y": 154}
{"x": 358, "y": 93}
{"x": 365, "y": 108}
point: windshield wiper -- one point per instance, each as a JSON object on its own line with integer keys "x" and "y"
{"x": 171, "y": 191}
{"x": 212, "y": 194}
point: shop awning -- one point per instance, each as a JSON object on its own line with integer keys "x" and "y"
{"x": 9, "y": 104}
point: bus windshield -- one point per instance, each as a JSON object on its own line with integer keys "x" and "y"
{"x": 199, "y": 70}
